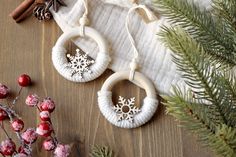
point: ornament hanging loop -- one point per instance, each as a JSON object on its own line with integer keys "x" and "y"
{"x": 134, "y": 62}
{"x": 84, "y": 21}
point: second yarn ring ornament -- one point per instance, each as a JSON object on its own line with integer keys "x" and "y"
{"x": 125, "y": 114}
{"x": 80, "y": 68}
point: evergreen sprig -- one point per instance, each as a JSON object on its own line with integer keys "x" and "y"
{"x": 101, "y": 151}
{"x": 195, "y": 117}
{"x": 204, "y": 44}
{"x": 207, "y": 84}
{"x": 202, "y": 26}
{"x": 226, "y": 10}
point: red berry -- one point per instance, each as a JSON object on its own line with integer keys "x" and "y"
{"x": 3, "y": 115}
{"x": 20, "y": 155}
{"x": 32, "y": 100}
{"x": 29, "y": 136}
{"x": 7, "y": 147}
{"x": 24, "y": 80}
{"x": 17, "y": 125}
{"x": 49, "y": 145}
{"x": 4, "y": 91}
{"x": 44, "y": 116}
{"x": 47, "y": 105}
{"x": 62, "y": 150}
{"x": 23, "y": 150}
{"x": 44, "y": 129}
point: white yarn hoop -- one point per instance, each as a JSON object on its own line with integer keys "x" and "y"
{"x": 148, "y": 108}
{"x": 60, "y": 61}
{"x": 150, "y": 103}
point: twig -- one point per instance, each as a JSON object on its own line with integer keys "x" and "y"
{"x": 17, "y": 97}
{"x": 2, "y": 127}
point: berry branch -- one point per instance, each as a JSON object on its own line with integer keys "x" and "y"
{"x": 45, "y": 129}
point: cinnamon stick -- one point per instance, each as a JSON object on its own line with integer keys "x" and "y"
{"x": 24, "y": 6}
{"x": 26, "y": 14}
{"x": 40, "y": 1}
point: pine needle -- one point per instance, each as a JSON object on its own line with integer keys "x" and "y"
{"x": 196, "y": 117}
{"x": 216, "y": 36}
{"x": 101, "y": 151}
{"x": 204, "y": 46}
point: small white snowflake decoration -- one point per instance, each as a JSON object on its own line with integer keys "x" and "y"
{"x": 79, "y": 63}
{"x": 126, "y": 109}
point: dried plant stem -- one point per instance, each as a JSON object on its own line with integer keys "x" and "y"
{"x": 7, "y": 135}
{"x": 17, "y": 97}
{"x": 4, "y": 130}
{"x": 38, "y": 108}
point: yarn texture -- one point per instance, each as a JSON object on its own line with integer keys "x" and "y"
{"x": 60, "y": 61}
{"x": 148, "y": 109}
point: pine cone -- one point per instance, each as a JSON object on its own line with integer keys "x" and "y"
{"x": 41, "y": 12}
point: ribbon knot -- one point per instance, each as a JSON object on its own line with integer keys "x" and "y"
{"x": 84, "y": 21}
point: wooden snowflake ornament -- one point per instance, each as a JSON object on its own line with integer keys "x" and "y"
{"x": 79, "y": 63}
{"x": 80, "y": 68}
{"x": 126, "y": 109}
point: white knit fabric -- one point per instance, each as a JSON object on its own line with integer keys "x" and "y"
{"x": 109, "y": 20}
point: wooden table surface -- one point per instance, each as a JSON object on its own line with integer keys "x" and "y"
{"x": 26, "y": 48}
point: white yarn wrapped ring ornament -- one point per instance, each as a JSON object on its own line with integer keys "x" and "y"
{"x": 79, "y": 68}
{"x": 125, "y": 114}
{"x": 60, "y": 61}
{"x": 147, "y": 110}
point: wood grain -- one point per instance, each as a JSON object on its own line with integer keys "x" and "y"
{"x": 26, "y": 48}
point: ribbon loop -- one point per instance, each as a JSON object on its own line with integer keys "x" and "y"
{"x": 134, "y": 63}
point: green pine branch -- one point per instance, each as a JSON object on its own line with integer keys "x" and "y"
{"x": 194, "y": 117}
{"x": 101, "y": 151}
{"x": 203, "y": 45}
{"x": 227, "y": 86}
{"x": 197, "y": 71}
{"x": 203, "y": 27}
{"x": 226, "y": 10}
{"x": 213, "y": 91}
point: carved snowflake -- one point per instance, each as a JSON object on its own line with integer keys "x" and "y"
{"x": 125, "y": 109}
{"x": 79, "y": 63}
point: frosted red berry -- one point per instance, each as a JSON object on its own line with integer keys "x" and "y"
{"x": 44, "y": 129}
{"x": 49, "y": 145}
{"x": 32, "y": 100}
{"x": 62, "y": 151}
{"x": 47, "y": 105}
{"x": 44, "y": 116}
{"x": 20, "y": 155}
{"x": 24, "y": 80}
{"x": 4, "y": 91}
{"x": 17, "y": 125}
{"x": 7, "y": 147}
{"x": 23, "y": 150}
{"x": 3, "y": 115}
{"x": 29, "y": 135}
